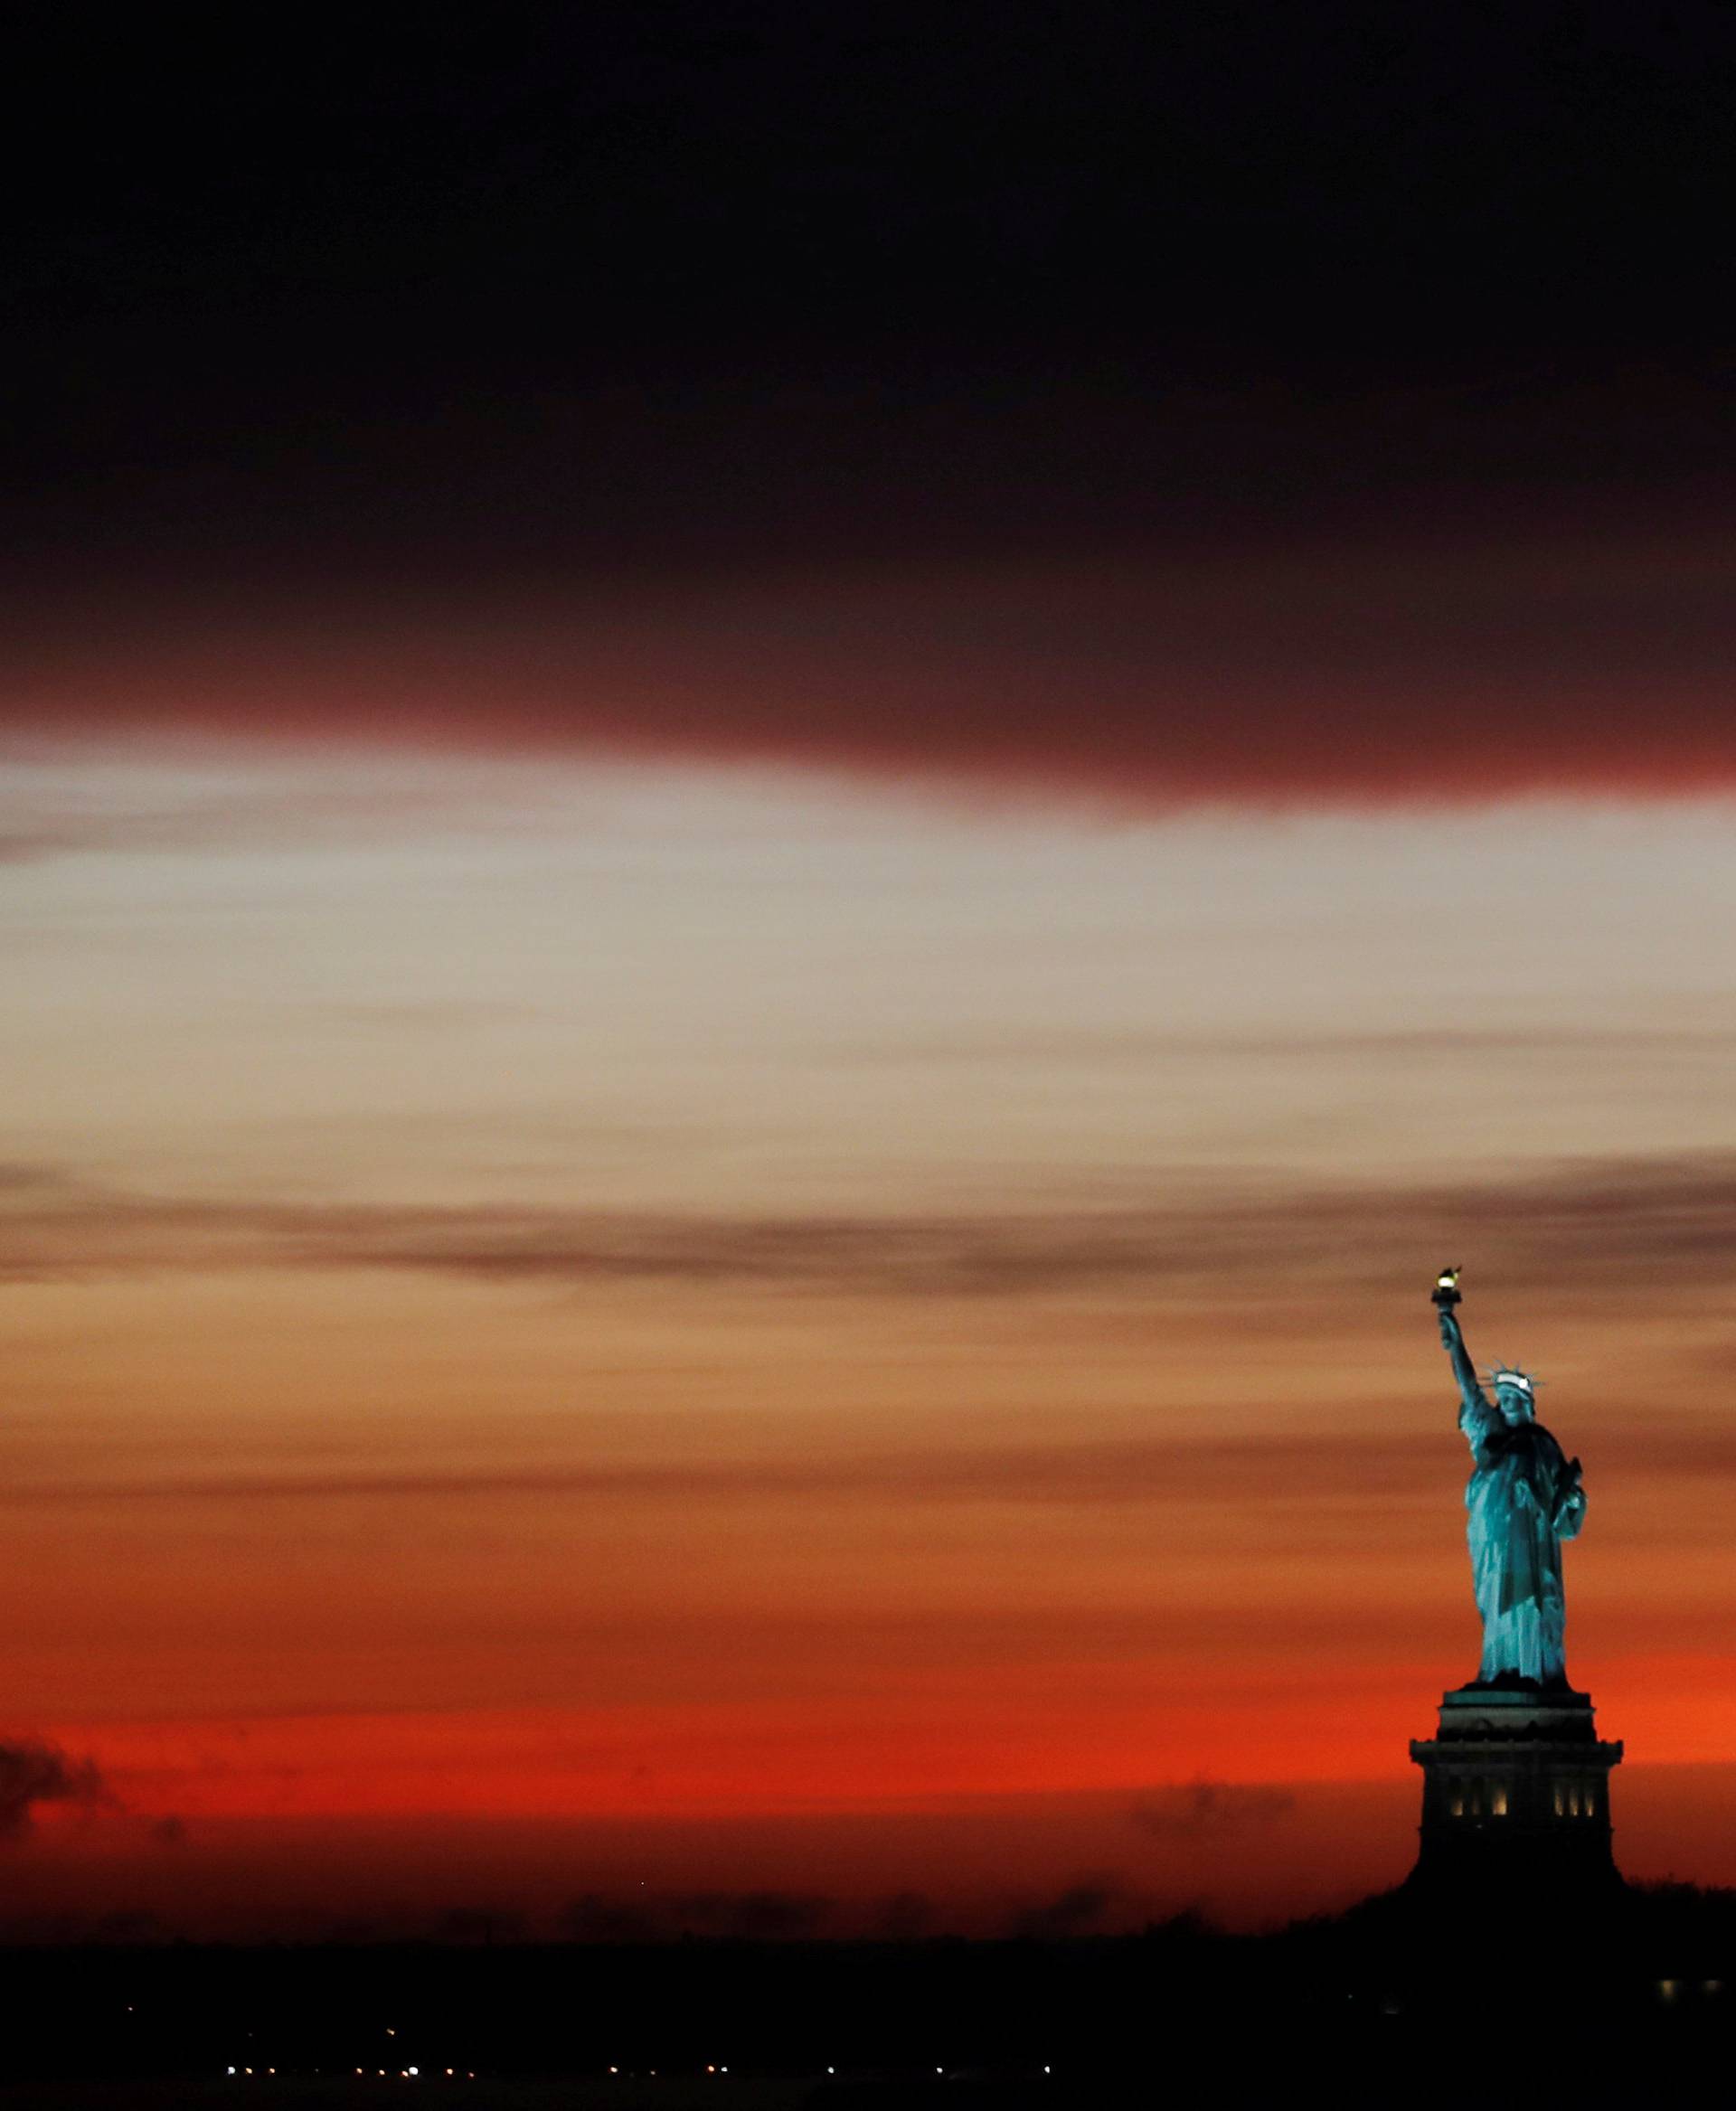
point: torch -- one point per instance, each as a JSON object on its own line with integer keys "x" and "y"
{"x": 1446, "y": 1293}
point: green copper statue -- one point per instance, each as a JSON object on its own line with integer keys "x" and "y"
{"x": 1524, "y": 1499}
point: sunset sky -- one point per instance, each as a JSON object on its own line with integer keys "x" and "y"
{"x": 766, "y": 904}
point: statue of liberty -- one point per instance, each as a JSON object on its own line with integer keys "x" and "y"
{"x": 1523, "y": 1500}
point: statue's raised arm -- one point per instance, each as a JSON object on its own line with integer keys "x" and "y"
{"x": 1472, "y": 1399}
{"x": 1474, "y": 1402}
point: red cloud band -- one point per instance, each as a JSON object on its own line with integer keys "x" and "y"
{"x": 1355, "y": 674}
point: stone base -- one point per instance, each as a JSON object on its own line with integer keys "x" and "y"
{"x": 1515, "y": 1787}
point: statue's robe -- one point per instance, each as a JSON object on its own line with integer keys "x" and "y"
{"x": 1523, "y": 1500}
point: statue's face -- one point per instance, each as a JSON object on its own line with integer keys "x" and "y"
{"x": 1515, "y": 1404}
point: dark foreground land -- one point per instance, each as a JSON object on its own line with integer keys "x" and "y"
{"x": 1404, "y": 2000}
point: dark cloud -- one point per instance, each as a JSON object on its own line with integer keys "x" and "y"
{"x": 759, "y": 1916}
{"x": 597, "y": 1918}
{"x": 1139, "y": 1050}
{"x": 32, "y": 1774}
{"x": 1081, "y": 1908}
{"x": 479, "y": 1927}
{"x": 24, "y": 1177}
{"x": 905, "y": 1917}
{"x": 1593, "y": 1224}
{"x": 598, "y": 301}
{"x": 1211, "y": 1810}
{"x": 1338, "y": 673}
{"x": 1123, "y": 1471}
{"x": 762, "y": 1916}
{"x": 1590, "y": 1239}
{"x": 127, "y": 1925}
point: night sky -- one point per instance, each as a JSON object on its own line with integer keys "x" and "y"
{"x": 793, "y": 804}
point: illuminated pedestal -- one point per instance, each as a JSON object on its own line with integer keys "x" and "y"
{"x": 1516, "y": 1785}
